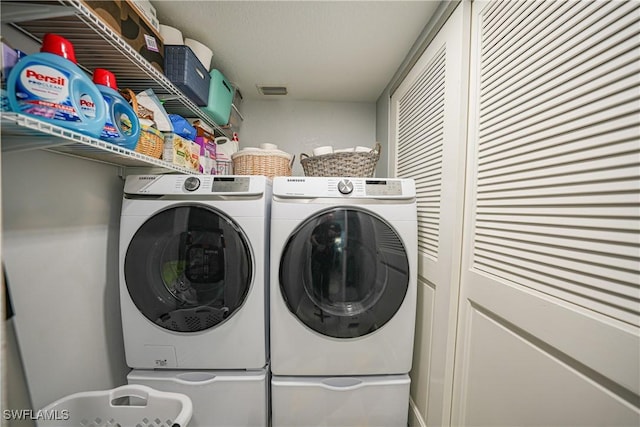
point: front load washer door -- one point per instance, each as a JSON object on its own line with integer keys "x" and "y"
{"x": 344, "y": 272}
{"x": 188, "y": 268}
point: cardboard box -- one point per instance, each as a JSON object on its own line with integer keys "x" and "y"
{"x": 203, "y": 130}
{"x": 124, "y": 19}
{"x": 181, "y": 152}
{"x": 208, "y": 165}
{"x": 148, "y": 11}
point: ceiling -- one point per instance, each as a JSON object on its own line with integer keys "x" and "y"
{"x": 319, "y": 50}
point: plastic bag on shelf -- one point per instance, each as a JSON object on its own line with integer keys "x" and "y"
{"x": 149, "y": 100}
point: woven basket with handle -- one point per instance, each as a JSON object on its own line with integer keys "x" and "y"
{"x": 151, "y": 140}
{"x": 352, "y": 164}
{"x": 269, "y": 163}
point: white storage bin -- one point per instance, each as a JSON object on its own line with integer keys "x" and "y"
{"x": 220, "y": 398}
{"x": 381, "y": 400}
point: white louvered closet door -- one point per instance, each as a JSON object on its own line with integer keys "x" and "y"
{"x": 550, "y": 297}
{"x": 429, "y": 128}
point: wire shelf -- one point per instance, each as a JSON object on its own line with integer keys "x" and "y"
{"x": 21, "y": 133}
{"x": 96, "y": 45}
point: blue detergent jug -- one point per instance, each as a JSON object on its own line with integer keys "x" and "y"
{"x": 122, "y": 126}
{"x": 50, "y": 86}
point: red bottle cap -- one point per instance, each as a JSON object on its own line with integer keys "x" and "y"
{"x": 58, "y": 45}
{"x": 105, "y": 78}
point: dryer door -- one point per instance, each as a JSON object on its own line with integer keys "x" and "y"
{"x": 188, "y": 268}
{"x": 344, "y": 272}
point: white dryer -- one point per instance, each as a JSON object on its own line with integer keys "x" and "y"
{"x": 193, "y": 271}
{"x": 343, "y": 276}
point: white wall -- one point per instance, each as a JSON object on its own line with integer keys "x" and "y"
{"x": 299, "y": 126}
{"x": 383, "y": 108}
{"x": 15, "y": 384}
{"x": 60, "y": 250}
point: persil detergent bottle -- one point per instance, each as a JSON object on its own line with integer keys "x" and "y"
{"x": 122, "y": 126}
{"x": 50, "y": 86}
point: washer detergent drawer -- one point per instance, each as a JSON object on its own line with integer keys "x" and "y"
{"x": 381, "y": 401}
{"x": 220, "y": 398}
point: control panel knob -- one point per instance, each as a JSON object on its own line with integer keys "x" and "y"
{"x": 192, "y": 183}
{"x": 345, "y": 186}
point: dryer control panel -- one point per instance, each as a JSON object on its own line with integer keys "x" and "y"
{"x": 318, "y": 187}
{"x": 194, "y": 185}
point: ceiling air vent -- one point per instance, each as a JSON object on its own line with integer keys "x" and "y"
{"x": 272, "y": 90}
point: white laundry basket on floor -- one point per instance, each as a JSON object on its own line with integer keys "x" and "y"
{"x": 125, "y": 406}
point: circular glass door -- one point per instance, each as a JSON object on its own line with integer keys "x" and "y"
{"x": 188, "y": 268}
{"x": 344, "y": 272}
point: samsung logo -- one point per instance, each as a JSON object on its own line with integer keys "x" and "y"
{"x": 296, "y": 180}
{"x": 146, "y": 178}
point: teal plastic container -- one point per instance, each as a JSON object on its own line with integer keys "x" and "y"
{"x": 220, "y": 97}
{"x": 122, "y": 126}
{"x": 50, "y": 86}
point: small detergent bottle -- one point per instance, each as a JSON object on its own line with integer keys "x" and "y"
{"x": 50, "y": 86}
{"x": 122, "y": 126}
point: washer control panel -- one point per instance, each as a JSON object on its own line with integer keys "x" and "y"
{"x": 229, "y": 184}
{"x": 383, "y": 187}
{"x": 192, "y": 183}
{"x": 318, "y": 187}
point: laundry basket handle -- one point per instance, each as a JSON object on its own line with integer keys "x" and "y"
{"x": 132, "y": 390}
{"x": 153, "y": 397}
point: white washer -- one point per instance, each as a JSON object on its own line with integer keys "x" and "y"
{"x": 343, "y": 276}
{"x": 193, "y": 271}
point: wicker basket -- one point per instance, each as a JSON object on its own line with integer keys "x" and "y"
{"x": 353, "y": 164}
{"x": 269, "y": 163}
{"x": 151, "y": 142}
